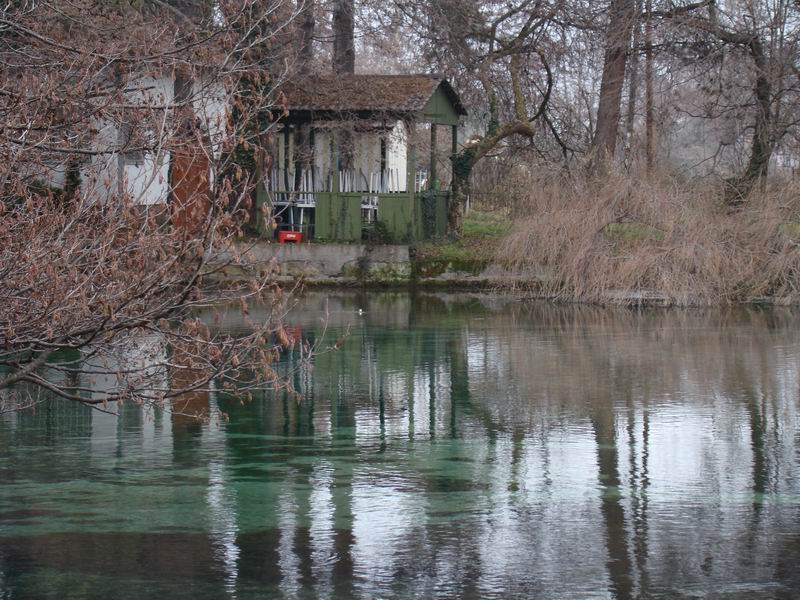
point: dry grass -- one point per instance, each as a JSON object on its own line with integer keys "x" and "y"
{"x": 621, "y": 236}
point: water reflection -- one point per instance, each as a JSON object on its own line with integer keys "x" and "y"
{"x": 454, "y": 446}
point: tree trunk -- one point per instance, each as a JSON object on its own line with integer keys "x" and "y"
{"x": 762, "y": 145}
{"x": 761, "y": 151}
{"x": 305, "y": 38}
{"x": 344, "y": 61}
{"x": 344, "y": 53}
{"x": 463, "y": 163}
{"x": 305, "y": 57}
{"x": 633, "y": 86}
{"x": 620, "y": 27}
{"x": 649, "y": 117}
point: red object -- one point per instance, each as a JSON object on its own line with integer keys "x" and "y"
{"x": 295, "y": 334}
{"x": 292, "y": 237}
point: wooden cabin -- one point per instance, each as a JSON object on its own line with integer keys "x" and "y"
{"x": 345, "y": 166}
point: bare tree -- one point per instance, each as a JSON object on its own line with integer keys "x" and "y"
{"x": 495, "y": 51}
{"x": 730, "y": 62}
{"x": 305, "y": 39}
{"x": 650, "y": 142}
{"x": 344, "y": 52}
{"x": 621, "y": 20}
{"x": 633, "y": 82}
{"x": 103, "y": 273}
{"x": 764, "y": 33}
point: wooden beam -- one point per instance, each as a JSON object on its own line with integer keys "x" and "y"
{"x": 433, "y": 183}
{"x": 411, "y": 157}
{"x": 383, "y": 182}
{"x": 286, "y": 156}
{"x": 335, "y": 161}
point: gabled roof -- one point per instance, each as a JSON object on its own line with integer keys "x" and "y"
{"x": 368, "y": 94}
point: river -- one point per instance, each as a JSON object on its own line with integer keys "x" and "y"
{"x": 454, "y": 446}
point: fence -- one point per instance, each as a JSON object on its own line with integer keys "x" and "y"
{"x": 373, "y": 206}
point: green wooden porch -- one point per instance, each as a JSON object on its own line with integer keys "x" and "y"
{"x": 324, "y": 200}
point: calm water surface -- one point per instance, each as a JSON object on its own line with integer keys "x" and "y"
{"x": 454, "y": 447}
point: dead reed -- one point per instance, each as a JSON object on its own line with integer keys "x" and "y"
{"x": 620, "y": 238}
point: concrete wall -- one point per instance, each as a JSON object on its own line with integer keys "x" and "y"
{"x": 335, "y": 262}
{"x": 359, "y": 264}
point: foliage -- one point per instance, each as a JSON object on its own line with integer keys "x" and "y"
{"x": 482, "y": 228}
{"x": 377, "y": 233}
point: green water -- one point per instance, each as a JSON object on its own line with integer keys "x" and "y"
{"x": 455, "y": 447}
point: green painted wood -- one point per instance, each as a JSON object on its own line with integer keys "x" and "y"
{"x": 432, "y": 218}
{"x": 442, "y": 198}
{"x": 411, "y": 156}
{"x": 433, "y": 183}
{"x": 419, "y": 218}
{"x": 338, "y": 217}
{"x": 439, "y": 110}
{"x": 396, "y": 213}
{"x": 335, "y": 160}
{"x": 406, "y": 220}
{"x": 323, "y": 216}
{"x": 350, "y": 218}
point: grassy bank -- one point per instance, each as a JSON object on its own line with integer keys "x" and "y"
{"x": 474, "y": 250}
{"x": 623, "y": 237}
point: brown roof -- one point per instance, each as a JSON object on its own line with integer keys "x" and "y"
{"x": 367, "y": 93}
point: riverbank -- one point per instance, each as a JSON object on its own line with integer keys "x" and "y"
{"x": 465, "y": 263}
{"x": 317, "y": 266}
{"x": 682, "y": 241}
{"x": 443, "y": 267}
{"x": 363, "y": 265}
{"x": 617, "y": 242}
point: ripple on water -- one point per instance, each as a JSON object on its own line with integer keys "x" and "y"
{"x": 452, "y": 448}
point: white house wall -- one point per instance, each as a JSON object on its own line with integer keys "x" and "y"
{"x": 147, "y": 182}
{"x": 367, "y": 154}
{"x": 397, "y": 152}
{"x": 99, "y": 177}
{"x": 210, "y": 104}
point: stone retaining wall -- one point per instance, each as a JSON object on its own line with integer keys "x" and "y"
{"x": 334, "y": 263}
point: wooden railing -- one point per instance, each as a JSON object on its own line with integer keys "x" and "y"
{"x": 351, "y": 216}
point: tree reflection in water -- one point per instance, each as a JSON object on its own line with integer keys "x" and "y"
{"x": 454, "y": 446}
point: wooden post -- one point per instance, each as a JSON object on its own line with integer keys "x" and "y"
{"x": 335, "y": 161}
{"x": 454, "y": 139}
{"x": 453, "y": 155}
{"x": 413, "y": 222}
{"x": 433, "y": 183}
{"x": 286, "y": 164}
{"x": 383, "y": 182}
{"x": 286, "y": 156}
{"x": 312, "y": 158}
{"x": 411, "y": 158}
{"x": 455, "y": 214}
